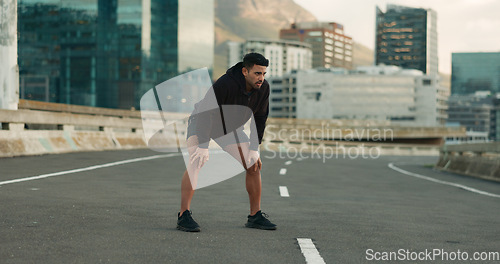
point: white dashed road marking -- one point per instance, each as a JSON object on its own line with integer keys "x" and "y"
{"x": 284, "y": 191}
{"x": 283, "y": 171}
{"x": 288, "y": 162}
{"x": 309, "y": 251}
{"x": 467, "y": 188}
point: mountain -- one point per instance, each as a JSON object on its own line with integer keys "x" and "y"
{"x": 238, "y": 20}
{"x": 362, "y": 55}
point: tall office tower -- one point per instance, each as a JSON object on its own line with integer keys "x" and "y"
{"x": 475, "y": 71}
{"x": 284, "y": 55}
{"x": 407, "y": 37}
{"x": 330, "y": 46}
{"x": 108, "y": 53}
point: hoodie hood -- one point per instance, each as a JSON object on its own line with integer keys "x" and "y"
{"x": 235, "y": 73}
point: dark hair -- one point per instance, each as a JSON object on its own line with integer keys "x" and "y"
{"x": 254, "y": 58}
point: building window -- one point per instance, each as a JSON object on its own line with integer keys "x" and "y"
{"x": 314, "y": 33}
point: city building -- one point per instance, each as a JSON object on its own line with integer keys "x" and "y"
{"x": 109, "y": 53}
{"x": 283, "y": 95}
{"x": 494, "y": 132}
{"x": 284, "y": 55}
{"x": 407, "y": 37}
{"x": 475, "y": 71}
{"x": 330, "y": 46}
{"x": 478, "y": 112}
{"x": 401, "y": 96}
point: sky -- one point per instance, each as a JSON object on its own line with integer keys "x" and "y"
{"x": 463, "y": 25}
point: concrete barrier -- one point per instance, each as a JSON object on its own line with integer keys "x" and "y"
{"x": 343, "y": 149}
{"x": 58, "y": 128}
{"x": 46, "y": 142}
{"x": 41, "y": 128}
{"x": 480, "y": 160}
{"x": 348, "y": 138}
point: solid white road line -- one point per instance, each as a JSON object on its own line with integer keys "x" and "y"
{"x": 43, "y": 176}
{"x": 283, "y": 171}
{"x": 284, "y": 191}
{"x": 288, "y": 162}
{"x": 392, "y": 166}
{"x": 309, "y": 251}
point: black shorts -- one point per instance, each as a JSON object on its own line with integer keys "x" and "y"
{"x": 222, "y": 140}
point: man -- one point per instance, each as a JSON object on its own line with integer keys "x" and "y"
{"x": 244, "y": 85}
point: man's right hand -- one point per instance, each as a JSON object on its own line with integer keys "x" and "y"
{"x": 201, "y": 154}
{"x": 254, "y": 158}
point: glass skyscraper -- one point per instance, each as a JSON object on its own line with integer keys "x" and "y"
{"x": 475, "y": 71}
{"x": 407, "y": 37}
{"x": 108, "y": 53}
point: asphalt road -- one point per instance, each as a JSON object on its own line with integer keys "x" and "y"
{"x": 352, "y": 209}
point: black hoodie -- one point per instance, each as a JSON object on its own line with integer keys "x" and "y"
{"x": 230, "y": 89}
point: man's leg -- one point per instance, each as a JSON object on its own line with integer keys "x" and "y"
{"x": 253, "y": 179}
{"x": 254, "y": 187}
{"x": 256, "y": 219}
{"x": 185, "y": 221}
{"x": 187, "y": 190}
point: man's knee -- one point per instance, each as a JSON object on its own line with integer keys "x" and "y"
{"x": 253, "y": 170}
